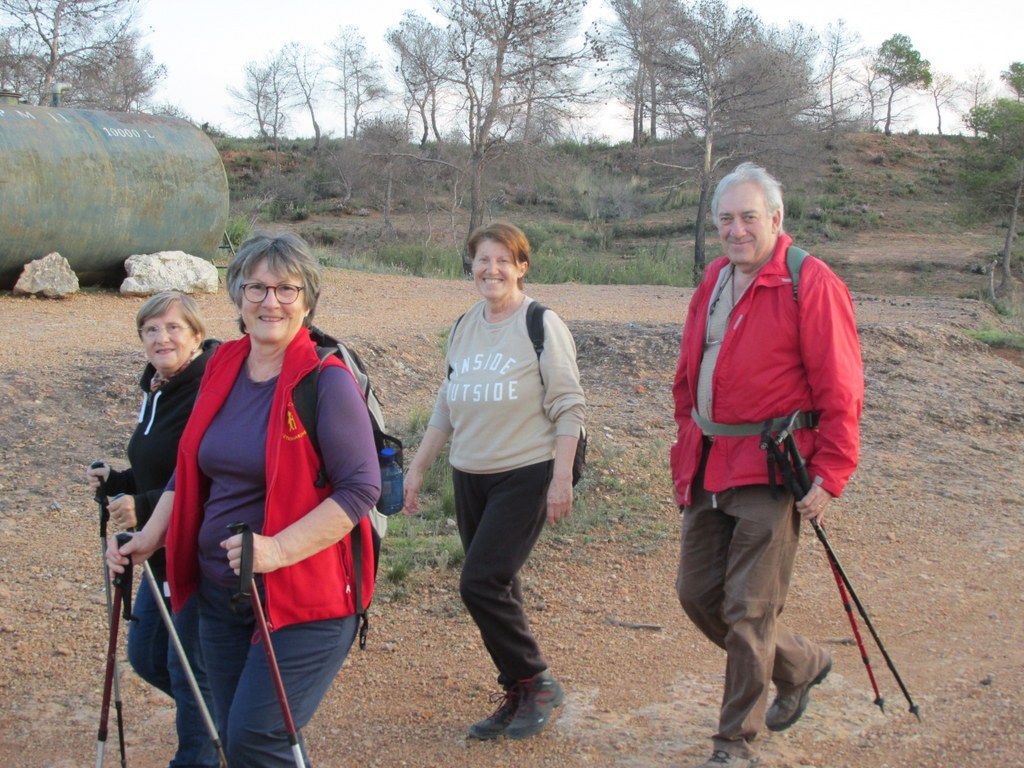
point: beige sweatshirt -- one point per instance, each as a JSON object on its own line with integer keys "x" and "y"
{"x": 493, "y": 405}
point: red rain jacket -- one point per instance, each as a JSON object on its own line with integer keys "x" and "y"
{"x": 778, "y": 355}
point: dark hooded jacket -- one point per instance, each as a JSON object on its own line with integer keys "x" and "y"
{"x": 153, "y": 447}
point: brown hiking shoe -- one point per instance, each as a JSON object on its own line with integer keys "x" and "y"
{"x": 494, "y": 726}
{"x": 789, "y": 706}
{"x": 538, "y": 698}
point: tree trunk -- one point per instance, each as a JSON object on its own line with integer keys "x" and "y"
{"x": 425, "y": 136}
{"x": 699, "y": 228}
{"x": 653, "y": 117}
{"x": 638, "y": 119}
{"x": 703, "y": 203}
{"x": 476, "y": 217}
{"x": 316, "y": 131}
{"x": 1011, "y": 230}
{"x": 888, "y": 113}
{"x": 388, "y": 229}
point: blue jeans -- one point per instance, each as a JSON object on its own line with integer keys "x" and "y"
{"x": 153, "y": 657}
{"x": 245, "y": 702}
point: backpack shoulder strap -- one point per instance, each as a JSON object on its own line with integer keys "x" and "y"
{"x": 535, "y": 327}
{"x": 304, "y": 396}
{"x": 794, "y": 262}
{"x": 451, "y": 335}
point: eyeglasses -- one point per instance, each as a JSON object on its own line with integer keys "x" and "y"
{"x": 171, "y": 329}
{"x": 285, "y": 293}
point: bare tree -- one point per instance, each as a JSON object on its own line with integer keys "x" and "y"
{"x": 16, "y": 62}
{"x": 422, "y": 67}
{"x": 511, "y": 57}
{"x": 306, "y": 70}
{"x": 360, "y": 78}
{"x": 384, "y": 141}
{"x": 58, "y": 36}
{"x": 120, "y": 78}
{"x": 736, "y": 88}
{"x": 946, "y": 91}
{"x": 841, "y": 47}
{"x": 632, "y": 40}
{"x": 977, "y": 91}
{"x": 265, "y": 97}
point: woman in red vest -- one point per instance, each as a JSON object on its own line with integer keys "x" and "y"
{"x": 245, "y": 457}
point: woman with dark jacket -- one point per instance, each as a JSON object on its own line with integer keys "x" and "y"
{"x": 245, "y": 457}
{"x": 173, "y": 336}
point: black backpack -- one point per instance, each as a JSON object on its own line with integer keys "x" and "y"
{"x": 535, "y": 328}
{"x": 305, "y": 400}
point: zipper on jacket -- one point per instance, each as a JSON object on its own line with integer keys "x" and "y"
{"x": 152, "y": 414}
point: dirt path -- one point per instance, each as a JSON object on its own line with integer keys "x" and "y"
{"x": 930, "y": 531}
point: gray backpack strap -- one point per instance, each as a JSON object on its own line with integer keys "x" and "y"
{"x": 794, "y": 261}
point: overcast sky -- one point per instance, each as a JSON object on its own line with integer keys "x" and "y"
{"x": 205, "y": 43}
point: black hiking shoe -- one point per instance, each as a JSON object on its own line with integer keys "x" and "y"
{"x": 538, "y": 698}
{"x": 720, "y": 759}
{"x": 789, "y": 707}
{"x": 492, "y": 727}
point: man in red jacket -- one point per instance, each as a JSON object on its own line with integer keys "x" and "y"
{"x": 755, "y": 348}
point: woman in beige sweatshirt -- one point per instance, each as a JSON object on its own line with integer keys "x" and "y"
{"x": 514, "y": 417}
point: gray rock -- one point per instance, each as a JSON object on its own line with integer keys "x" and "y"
{"x": 166, "y": 271}
{"x": 50, "y": 276}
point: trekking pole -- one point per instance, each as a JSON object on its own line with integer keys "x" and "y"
{"x": 172, "y": 632}
{"x": 101, "y": 500}
{"x": 249, "y": 591}
{"x": 804, "y": 485}
{"x": 121, "y": 582}
{"x": 799, "y": 483}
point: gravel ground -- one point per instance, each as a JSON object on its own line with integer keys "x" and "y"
{"x": 930, "y": 532}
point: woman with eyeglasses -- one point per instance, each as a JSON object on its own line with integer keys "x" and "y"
{"x": 173, "y": 337}
{"x": 245, "y": 457}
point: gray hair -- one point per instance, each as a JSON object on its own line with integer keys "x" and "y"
{"x": 283, "y": 254}
{"x": 749, "y": 173}
{"x": 160, "y": 303}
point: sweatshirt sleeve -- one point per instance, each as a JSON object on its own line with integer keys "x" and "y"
{"x": 564, "y": 401}
{"x": 440, "y": 417}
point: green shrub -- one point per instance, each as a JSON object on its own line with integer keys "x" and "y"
{"x": 238, "y": 229}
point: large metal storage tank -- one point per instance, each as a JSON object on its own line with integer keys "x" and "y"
{"x": 98, "y": 187}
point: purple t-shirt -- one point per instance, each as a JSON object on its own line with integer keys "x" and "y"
{"x": 232, "y": 455}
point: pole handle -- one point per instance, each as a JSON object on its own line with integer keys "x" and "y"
{"x": 245, "y": 568}
{"x": 100, "y": 498}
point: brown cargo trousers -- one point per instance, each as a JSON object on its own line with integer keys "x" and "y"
{"x": 736, "y": 557}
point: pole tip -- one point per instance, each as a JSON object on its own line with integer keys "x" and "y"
{"x": 880, "y": 703}
{"x": 916, "y": 711}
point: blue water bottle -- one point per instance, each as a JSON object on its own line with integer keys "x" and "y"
{"x": 391, "y": 490}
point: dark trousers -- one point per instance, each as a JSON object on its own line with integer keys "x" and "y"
{"x": 154, "y": 658}
{"x": 245, "y": 702}
{"x": 737, "y": 553}
{"x": 500, "y": 518}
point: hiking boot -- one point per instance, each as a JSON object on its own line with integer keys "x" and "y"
{"x": 721, "y": 759}
{"x": 492, "y": 727}
{"x": 789, "y": 707}
{"x": 538, "y": 697}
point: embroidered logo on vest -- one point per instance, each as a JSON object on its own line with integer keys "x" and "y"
{"x": 293, "y": 428}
